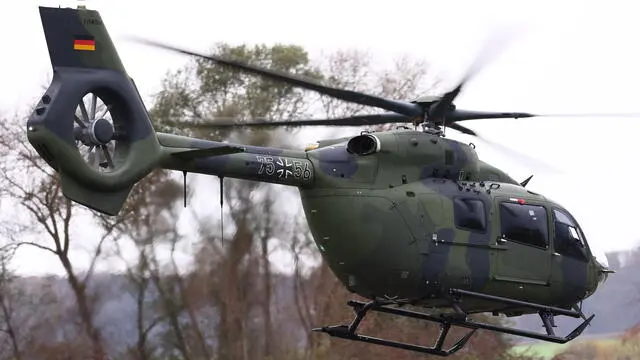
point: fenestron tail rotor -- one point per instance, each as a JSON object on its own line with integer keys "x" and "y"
{"x": 95, "y": 134}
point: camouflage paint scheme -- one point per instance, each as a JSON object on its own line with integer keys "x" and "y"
{"x": 405, "y": 244}
{"x": 384, "y": 222}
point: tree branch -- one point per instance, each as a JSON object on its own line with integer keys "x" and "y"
{"x": 39, "y": 246}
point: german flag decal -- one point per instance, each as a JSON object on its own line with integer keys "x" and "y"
{"x": 84, "y": 43}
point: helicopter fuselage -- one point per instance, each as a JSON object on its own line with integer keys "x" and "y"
{"x": 422, "y": 214}
{"x": 407, "y": 215}
{"x": 415, "y": 241}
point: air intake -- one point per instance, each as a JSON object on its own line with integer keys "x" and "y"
{"x": 363, "y": 145}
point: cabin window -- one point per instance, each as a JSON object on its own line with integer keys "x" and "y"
{"x": 525, "y": 224}
{"x": 469, "y": 214}
{"x": 568, "y": 240}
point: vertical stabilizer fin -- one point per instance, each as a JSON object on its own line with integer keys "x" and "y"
{"x": 78, "y": 38}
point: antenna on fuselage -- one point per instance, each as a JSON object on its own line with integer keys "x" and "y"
{"x": 184, "y": 188}
{"x": 526, "y": 181}
{"x": 221, "y": 209}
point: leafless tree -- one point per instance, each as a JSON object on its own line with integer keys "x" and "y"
{"x": 11, "y": 344}
{"x": 35, "y": 188}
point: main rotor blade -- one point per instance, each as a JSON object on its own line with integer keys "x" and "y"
{"x": 401, "y": 107}
{"x": 463, "y": 129}
{"x": 591, "y": 115}
{"x": 387, "y": 118}
{"x": 495, "y": 44}
{"x": 461, "y": 115}
{"x": 358, "y": 120}
{"x": 513, "y": 154}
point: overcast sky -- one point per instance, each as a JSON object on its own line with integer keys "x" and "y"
{"x": 567, "y": 57}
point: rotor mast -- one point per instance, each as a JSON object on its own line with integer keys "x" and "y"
{"x": 430, "y": 124}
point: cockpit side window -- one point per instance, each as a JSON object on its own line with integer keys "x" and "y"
{"x": 525, "y": 224}
{"x": 469, "y": 214}
{"x": 568, "y": 240}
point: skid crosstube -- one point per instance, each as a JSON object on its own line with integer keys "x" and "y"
{"x": 458, "y": 318}
{"x": 349, "y": 331}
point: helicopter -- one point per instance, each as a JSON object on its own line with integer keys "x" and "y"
{"x": 408, "y": 219}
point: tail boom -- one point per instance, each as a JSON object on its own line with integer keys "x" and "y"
{"x": 264, "y": 164}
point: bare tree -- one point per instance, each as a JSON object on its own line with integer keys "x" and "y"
{"x": 148, "y": 222}
{"x": 203, "y": 91}
{"x": 11, "y": 343}
{"x": 50, "y": 218}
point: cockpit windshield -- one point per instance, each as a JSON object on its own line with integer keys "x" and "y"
{"x": 570, "y": 240}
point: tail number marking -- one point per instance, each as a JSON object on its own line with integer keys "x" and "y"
{"x": 283, "y": 168}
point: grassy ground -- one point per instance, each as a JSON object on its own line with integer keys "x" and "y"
{"x": 544, "y": 350}
{"x": 547, "y": 350}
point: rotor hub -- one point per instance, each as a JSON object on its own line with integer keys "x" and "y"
{"x": 100, "y": 131}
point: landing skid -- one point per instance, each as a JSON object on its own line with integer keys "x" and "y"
{"x": 446, "y": 321}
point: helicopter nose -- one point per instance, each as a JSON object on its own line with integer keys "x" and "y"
{"x": 602, "y": 276}
{"x": 602, "y": 264}
{"x": 603, "y": 273}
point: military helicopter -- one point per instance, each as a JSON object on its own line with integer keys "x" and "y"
{"x": 410, "y": 220}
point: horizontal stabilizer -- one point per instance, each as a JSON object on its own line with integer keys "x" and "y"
{"x": 214, "y": 151}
